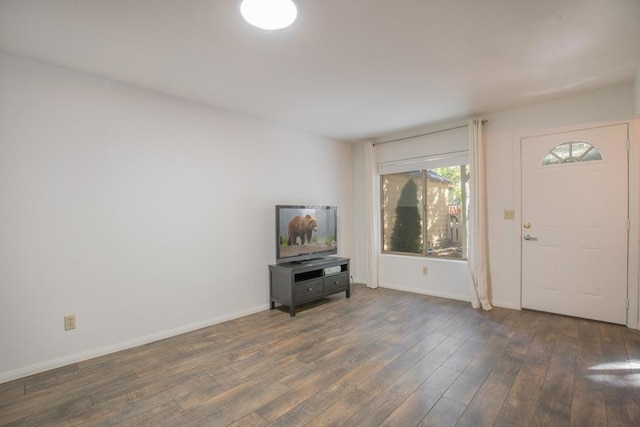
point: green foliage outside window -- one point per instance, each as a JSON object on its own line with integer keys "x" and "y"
{"x": 452, "y": 173}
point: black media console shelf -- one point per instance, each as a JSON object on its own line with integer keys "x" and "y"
{"x": 292, "y": 284}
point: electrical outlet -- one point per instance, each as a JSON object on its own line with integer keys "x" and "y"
{"x": 69, "y": 322}
{"x": 425, "y": 271}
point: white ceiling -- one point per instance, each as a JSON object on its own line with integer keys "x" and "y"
{"x": 348, "y": 69}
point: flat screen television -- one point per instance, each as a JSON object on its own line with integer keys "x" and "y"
{"x": 305, "y": 232}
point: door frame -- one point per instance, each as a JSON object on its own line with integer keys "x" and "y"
{"x": 633, "y": 241}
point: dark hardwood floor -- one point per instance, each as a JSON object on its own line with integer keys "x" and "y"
{"x": 382, "y": 357}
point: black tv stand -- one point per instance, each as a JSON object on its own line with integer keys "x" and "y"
{"x": 295, "y": 283}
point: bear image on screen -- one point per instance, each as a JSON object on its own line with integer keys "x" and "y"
{"x": 306, "y": 230}
{"x": 303, "y": 228}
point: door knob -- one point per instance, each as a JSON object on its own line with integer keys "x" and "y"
{"x": 528, "y": 237}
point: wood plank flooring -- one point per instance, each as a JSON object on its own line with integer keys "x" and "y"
{"x": 383, "y": 357}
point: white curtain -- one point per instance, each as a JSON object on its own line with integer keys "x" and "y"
{"x": 478, "y": 257}
{"x": 371, "y": 217}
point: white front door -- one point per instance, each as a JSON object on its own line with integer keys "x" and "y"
{"x": 574, "y": 223}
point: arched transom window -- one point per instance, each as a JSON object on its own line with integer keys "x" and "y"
{"x": 571, "y": 152}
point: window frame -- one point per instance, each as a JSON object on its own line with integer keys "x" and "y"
{"x": 586, "y": 156}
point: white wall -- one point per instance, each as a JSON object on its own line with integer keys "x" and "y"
{"x": 612, "y": 103}
{"x": 143, "y": 215}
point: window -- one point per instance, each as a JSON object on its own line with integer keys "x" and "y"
{"x": 571, "y": 152}
{"x": 424, "y": 212}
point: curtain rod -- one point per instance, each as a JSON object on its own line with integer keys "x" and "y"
{"x": 425, "y": 134}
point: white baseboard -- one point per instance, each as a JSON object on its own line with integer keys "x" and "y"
{"x": 501, "y": 304}
{"x": 428, "y": 292}
{"x": 79, "y": 357}
{"x": 506, "y": 304}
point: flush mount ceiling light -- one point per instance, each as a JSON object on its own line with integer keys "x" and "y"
{"x": 269, "y": 14}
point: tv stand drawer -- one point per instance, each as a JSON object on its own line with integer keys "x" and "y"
{"x": 336, "y": 282}
{"x": 307, "y": 290}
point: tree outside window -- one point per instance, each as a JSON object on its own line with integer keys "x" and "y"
{"x": 407, "y": 230}
{"x": 424, "y": 212}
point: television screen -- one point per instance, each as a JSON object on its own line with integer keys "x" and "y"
{"x": 305, "y": 232}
